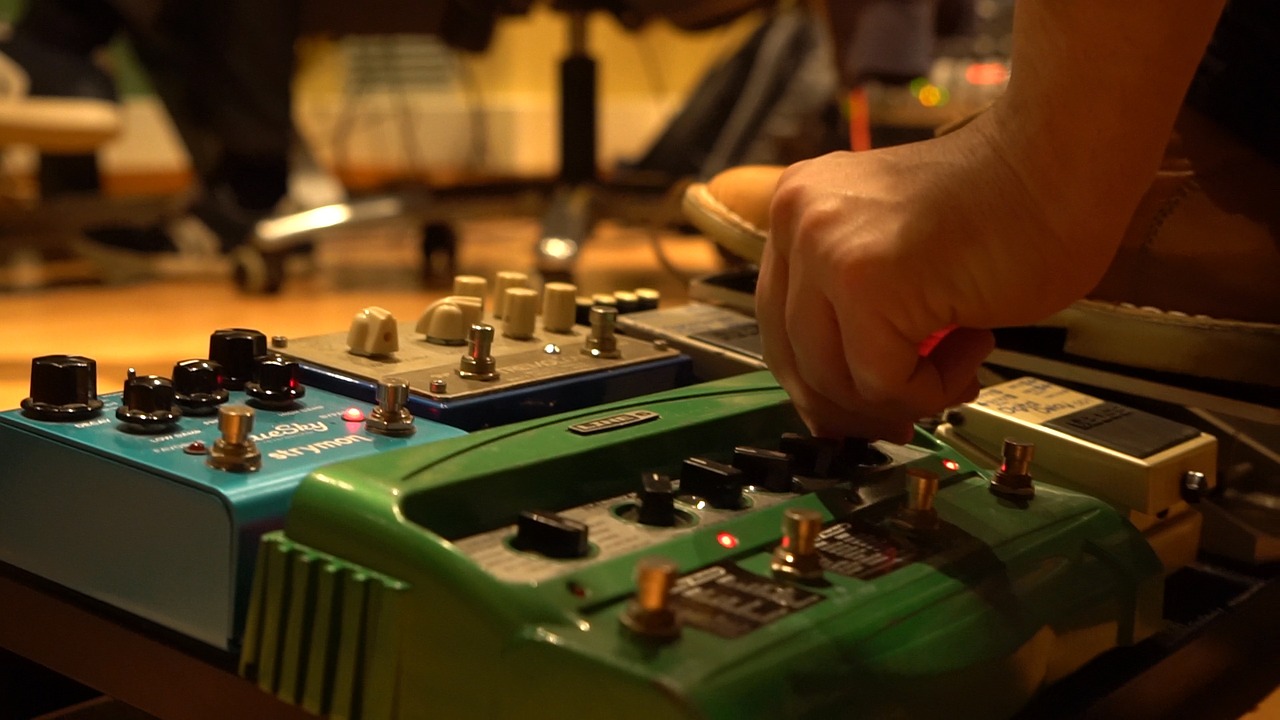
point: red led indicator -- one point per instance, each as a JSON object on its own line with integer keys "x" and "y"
{"x": 727, "y": 541}
{"x": 353, "y": 415}
{"x": 951, "y": 465}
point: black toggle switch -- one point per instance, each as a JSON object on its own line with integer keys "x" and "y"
{"x": 719, "y": 484}
{"x": 197, "y": 386}
{"x": 811, "y": 456}
{"x": 767, "y": 469}
{"x": 237, "y": 350}
{"x": 550, "y": 534}
{"x": 275, "y": 382}
{"x": 657, "y": 501}
{"x": 63, "y": 387}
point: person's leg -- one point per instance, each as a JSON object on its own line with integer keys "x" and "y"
{"x": 54, "y": 42}
{"x": 223, "y": 69}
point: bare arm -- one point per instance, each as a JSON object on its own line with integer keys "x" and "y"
{"x": 1003, "y": 222}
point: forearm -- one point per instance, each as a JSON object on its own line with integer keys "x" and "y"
{"x": 1095, "y": 89}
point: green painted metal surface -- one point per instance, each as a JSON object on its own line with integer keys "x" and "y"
{"x": 970, "y": 620}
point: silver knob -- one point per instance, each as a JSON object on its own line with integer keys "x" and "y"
{"x": 1013, "y": 479}
{"x": 391, "y": 417}
{"x": 603, "y": 341}
{"x": 478, "y": 363}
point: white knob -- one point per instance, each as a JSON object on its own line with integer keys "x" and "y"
{"x": 559, "y": 304}
{"x": 447, "y": 320}
{"x": 471, "y": 286}
{"x": 373, "y": 332}
{"x": 506, "y": 279}
{"x": 520, "y": 310}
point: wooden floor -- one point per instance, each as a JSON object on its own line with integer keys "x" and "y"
{"x": 149, "y": 326}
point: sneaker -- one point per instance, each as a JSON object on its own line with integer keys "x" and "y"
{"x": 197, "y": 243}
{"x": 53, "y": 99}
{"x": 1194, "y": 288}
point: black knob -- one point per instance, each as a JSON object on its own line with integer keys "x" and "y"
{"x": 656, "y": 501}
{"x": 551, "y": 535}
{"x": 860, "y": 453}
{"x": 811, "y": 456}
{"x": 767, "y": 469}
{"x": 63, "y": 387}
{"x": 148, "y": 402}
{"x": 236, "y": 349}
{"x": 275, "y": 382}
{"x": 197, "y": 386}
{"x": 719, "y": 484}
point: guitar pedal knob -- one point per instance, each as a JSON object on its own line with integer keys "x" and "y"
{"x": 797, "y": 555}
{"x": 197, "y": 386}
{"x": 656, "y": 501}
{"x": 719, "y": 484}
{"x": 551, "y": 535}
{"x": 811, "y": 456}
{"x": 521, "y": 311}
{"x": 766, "y": 469}
{"x": 235, "y": 451}
{"x": 63, "y": 387}
{"x": 649, "y": 298}
{"x": 275, "y": 382}
{"x": 502, "y": 282}
{"x": 373, "y": 333}
{"x": 471, "y": 286}
{"x": 649, "y": 614}
{"x": 558, "y": 307}
{"x": 237, "y": 350}
{"x": 445, "y": 321}
{"x": 147, "y": 403}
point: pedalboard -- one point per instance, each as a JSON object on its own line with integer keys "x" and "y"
{"x": 687, "y": 554}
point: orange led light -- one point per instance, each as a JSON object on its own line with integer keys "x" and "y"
{"x": 951, "y": 465}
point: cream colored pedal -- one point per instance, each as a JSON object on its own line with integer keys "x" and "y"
{"x": 1131, "y": 459}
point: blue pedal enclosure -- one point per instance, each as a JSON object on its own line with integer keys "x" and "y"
{"x": 153, "y": 500}
{"x": 473, "y": 370}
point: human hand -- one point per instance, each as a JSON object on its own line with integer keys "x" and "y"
{"x": 872, "y": 253}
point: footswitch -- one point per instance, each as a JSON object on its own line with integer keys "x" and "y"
{"x": 152, "y": 500}
{"x": 1149, "y": 467}
{"x": 688, "y": 554}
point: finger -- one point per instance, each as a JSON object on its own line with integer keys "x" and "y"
{"x": 823, "y": 417}
{"x": 814, "y": 331}
{"x": 957, "y": 357}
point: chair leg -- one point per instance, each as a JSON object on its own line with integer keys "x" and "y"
{"x": 571, "y": 215}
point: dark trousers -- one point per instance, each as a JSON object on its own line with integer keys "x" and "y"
{"x": 223, "y": 69}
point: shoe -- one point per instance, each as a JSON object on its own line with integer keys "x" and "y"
{"x": 197, "y": 243}
{"x": 1194, "y": 288}
{"x": 53, "y": 99}
{"x": 733, "y": 208}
